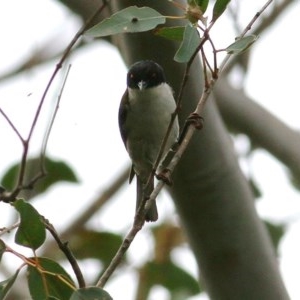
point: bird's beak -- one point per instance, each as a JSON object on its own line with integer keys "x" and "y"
{"x": 142, "y": 85}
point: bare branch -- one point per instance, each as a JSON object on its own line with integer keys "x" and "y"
{"x": 63, "y": 246}
{"x": 9, "y": 197}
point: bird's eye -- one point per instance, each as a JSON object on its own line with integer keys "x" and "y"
{"x": 131, "y": 76}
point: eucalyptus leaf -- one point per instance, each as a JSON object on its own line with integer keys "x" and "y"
{"x": 172, "y": 277}
{"x": 56, "y": 170}
{"x": 241, "y": 45}
{"x": 90, "y": 293}
{"x": 219, "y": 8}
{"x": 86, "y": 244}
{"x": 51, "y": 283}
{"x": 190, "y": 42}
{"x": 130, "y": 19}
{"x": 31, "y": 231}
{"x": 202, "y": 4}
{"x": 172, "y": 33}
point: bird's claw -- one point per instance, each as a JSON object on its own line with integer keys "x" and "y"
{"x": 164, "y": 175}
{"x": 196, "y": 120}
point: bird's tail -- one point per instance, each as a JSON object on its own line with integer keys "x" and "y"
{"x": 143, "y": 193}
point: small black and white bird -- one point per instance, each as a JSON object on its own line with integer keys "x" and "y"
{"x": 144, "y": 116}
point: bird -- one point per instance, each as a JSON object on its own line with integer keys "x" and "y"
{"x": 145, "y": 112}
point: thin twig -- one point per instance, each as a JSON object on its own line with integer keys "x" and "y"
{"x": 120, "y": 253}
{"x": 9, "y": 197}
{"x": 11, "y": 125}
{"x": 8, "y": 229}
{"x": 47, "y": 135}
{"x": 63, "y": 246}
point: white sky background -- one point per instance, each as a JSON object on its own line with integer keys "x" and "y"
{"x": 86, "y": 135}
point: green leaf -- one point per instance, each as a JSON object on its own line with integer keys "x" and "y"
{"x": 190, "y": 42}
{"x": 219, "y": 8}
{"x": 7, "y": 284}
{"x": 93, "y": 244}
{"x": 49, "y": 280}
{"x": 171, "y": 33}
{"x": 130, "y": 19}
{"x": 172, "y": 277}
{"x": 2, "y": 249}
{"x": 241, "y": 45}
{"x": 201, "y": 3}
{"x": 91, "y": 293}
{"x": 276, "y": 232}
{"x": 56, "y": 171}
{"x": 31, "y": 231}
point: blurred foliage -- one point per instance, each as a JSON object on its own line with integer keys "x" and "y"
{"x": 93, "y": 244}
{"x": 56, "y": 171}
{"x": 91, "y": 293}
{"x": 6, "y": 285}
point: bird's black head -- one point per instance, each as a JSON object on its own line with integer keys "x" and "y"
{"x": 145, "y": 74}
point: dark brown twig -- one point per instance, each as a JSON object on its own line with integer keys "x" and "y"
{"x": 63, "y": 246}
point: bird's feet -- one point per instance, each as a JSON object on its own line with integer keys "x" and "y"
{"x": 196, "y": 120}
{"x": 165, "y": 176}
{"x": 193, "y": 119}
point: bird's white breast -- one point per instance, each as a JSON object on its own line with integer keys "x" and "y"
{"x": 147, "y": 121}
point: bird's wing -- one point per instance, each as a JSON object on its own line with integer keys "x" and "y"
{"x": 124, "y": 105}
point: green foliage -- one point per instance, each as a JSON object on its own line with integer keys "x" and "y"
{"x": 140, "y": 19}
{"x": 241, "y": 45}
{"x": 91, "y": 293}
{"x": 57, "y": 171}
{"x": 93, "y": 244}
{"x": 6, "y": 285}
{"x": 189, "y": 44}
{"x": 176, "y": 280}
{"x": 48, "y": 279}
{"x": 130, "y": 19}
{"x": 202, "y": 4}
{"x": 172, "y": 33}
{"x": 219, "y": 8}
{"x": 31, "y": 231}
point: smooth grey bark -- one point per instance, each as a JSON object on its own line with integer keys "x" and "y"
{"x": 214, "y": 202}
